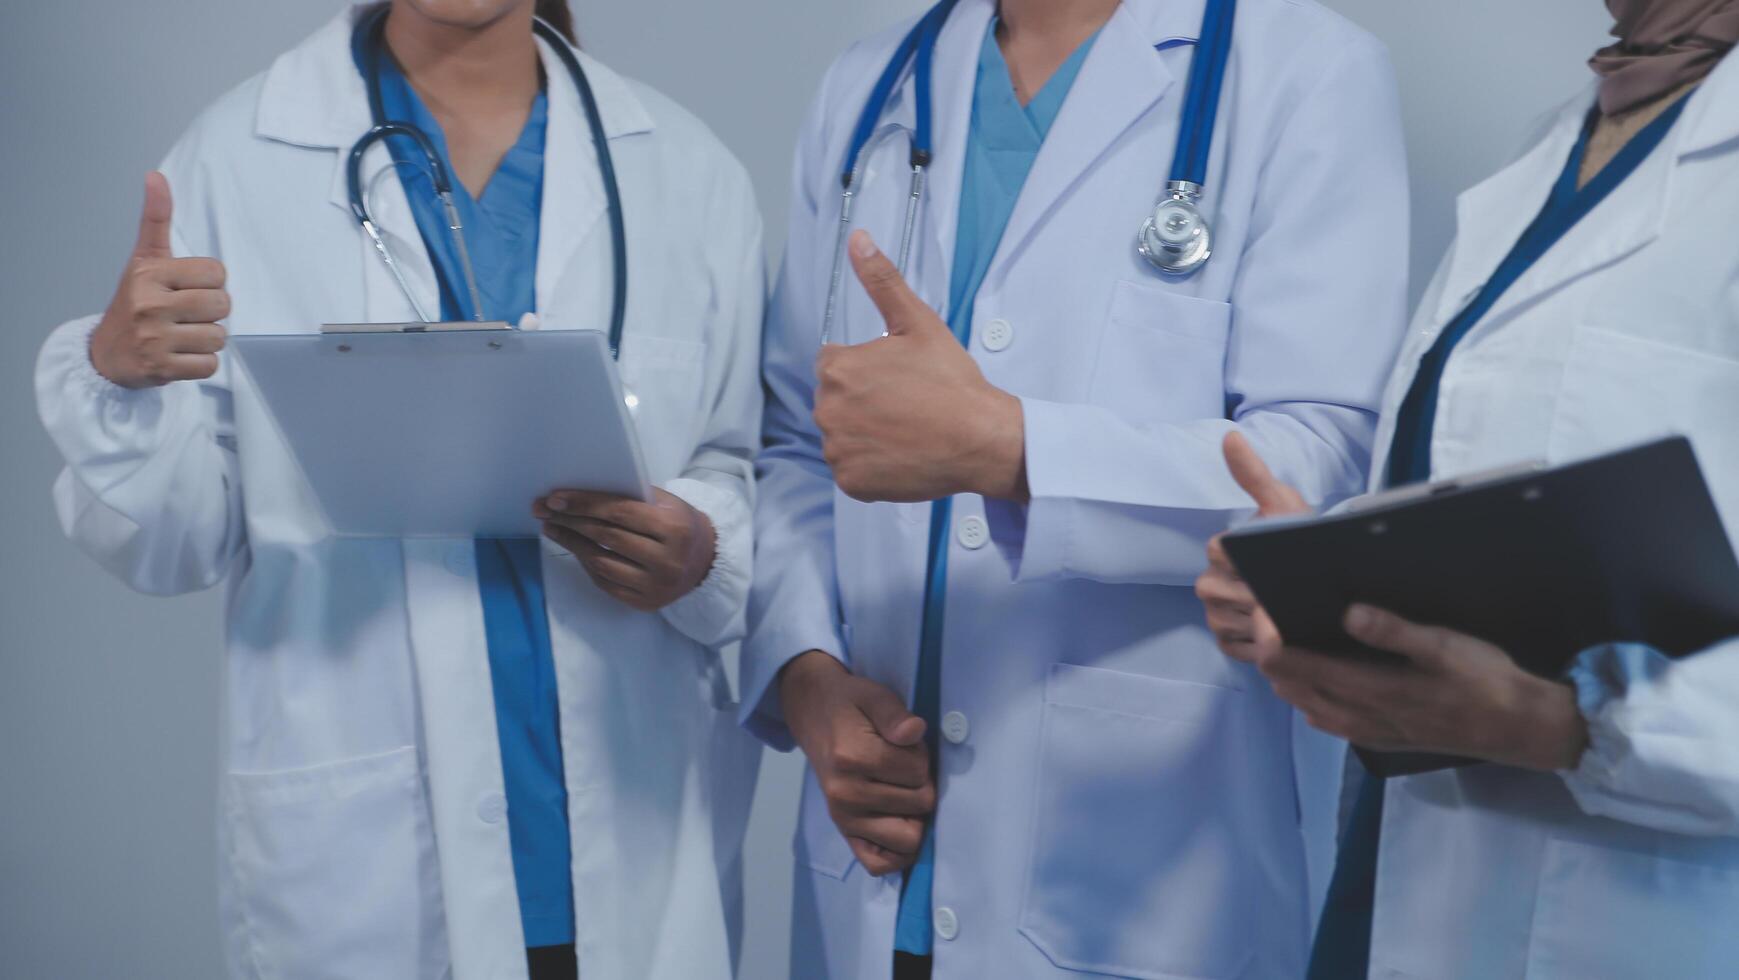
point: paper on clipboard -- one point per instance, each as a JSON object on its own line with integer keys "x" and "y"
{"x": 447, "y": 433}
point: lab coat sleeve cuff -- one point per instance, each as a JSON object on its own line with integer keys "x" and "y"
{"x": 1601, "y": 676}
{"x": 1656, "y": 739}
{"x": 91, "y": 419}
{"x": 712, "y": 613}
{"x": 67, "y": 354}
{"x": 764, "y": 656}
{"x": 1036, "y": 539}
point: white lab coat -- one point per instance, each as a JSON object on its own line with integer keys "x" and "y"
{"x": 1117, "y": 797}
{"x": 362, "y": 810}
{"x": 1628, "y": 867}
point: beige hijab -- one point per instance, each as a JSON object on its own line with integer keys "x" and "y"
{"x": 1662, "y": 45}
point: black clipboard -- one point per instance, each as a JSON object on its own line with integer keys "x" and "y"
{"x": 1544, "y": 563}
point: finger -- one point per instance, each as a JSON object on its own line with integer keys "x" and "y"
{"x": 1271, "y": 496}
{"x": 1218, "y": 560}
{"x": 197, "y": 305}
{"x": 902, "y": 835}
{"x": 598, "y": 562}
{"x": 870, "y": 797}
{"x": 611, "y": 539}
{"x": 620, "y": 575}
{"x": 626, "y": 513}
{"x": 1232, "y": 629}
{"x": 189, "y": 367}
{"x": 1215, "y": 587}
{"x": 195, "y": 273}
{"x": 1424, "y": 645}
{"x": 901, "y": 308}
{"x": 1267, "y": 635}
{"x": 905, "y": 767}
{"x": 154, "y": 219}
{"x": 866, "y": 755}
{"x": 876, "y": 859}
{"x": 197, "y": 338}
{"x": 892, "y": 720}
{"x": 1242, "y": 651}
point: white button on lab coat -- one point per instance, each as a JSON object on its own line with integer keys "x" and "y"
{"x": 1628, "y": 329}
{"x": 364, "y": 823}
{"x": 1131, "y": 801}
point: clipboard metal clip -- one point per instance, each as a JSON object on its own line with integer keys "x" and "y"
{"x": 448, "y": 326}
{"x": 445, "y": 327}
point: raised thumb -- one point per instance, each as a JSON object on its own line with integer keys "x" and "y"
{"x": 901, "y": 309}
{"x": 154, "y": 218}
{"x": 1272, "y": 496}
{"x": 892, "y": 721}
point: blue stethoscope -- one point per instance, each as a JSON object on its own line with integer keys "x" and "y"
{"x": 1176, "y": 238}
{"x": 367, "y": 41}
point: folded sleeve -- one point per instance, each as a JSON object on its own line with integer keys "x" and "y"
{"x": 1318, "y": 309}
{"x": 1663, "y": 738}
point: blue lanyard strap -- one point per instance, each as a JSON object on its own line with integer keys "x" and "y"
{"x": 1201, "y": 107}
{"x": 918, "y": 45}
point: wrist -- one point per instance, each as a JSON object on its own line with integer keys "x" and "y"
{"x": 1547, "y": 732}
{"x": 801, "y": 673}
{"x": 97, "y": 350}
{"x": 1000, "y": 470}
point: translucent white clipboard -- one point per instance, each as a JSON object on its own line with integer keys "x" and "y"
{"x": 450, "y": 432}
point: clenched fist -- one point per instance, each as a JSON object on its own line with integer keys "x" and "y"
{"x": 162, "y": 324}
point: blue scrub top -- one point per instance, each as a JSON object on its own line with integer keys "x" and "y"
{"x": 1001, "y": 146}
{"x": 501, "y": 232}
{"x": 1343, "y": 937}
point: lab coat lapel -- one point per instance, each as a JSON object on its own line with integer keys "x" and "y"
{"x": 1122, "y": 78}
{"x": 574, "y": 201}
{"x": 314, "y": 97}
{"x": 1493, "y": 215}
{"x": 573, "y": 187}
{"x": 956, "y": 75}
{"x": 384, "y": 301}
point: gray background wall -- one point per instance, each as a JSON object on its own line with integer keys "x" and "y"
{"x": 108, "y": 700}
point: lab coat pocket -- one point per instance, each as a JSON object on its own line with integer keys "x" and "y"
{"x": 1126, "y": 877}
{"x": 820, "y": 845}
{"x": 335, "y": 870}
{"x": 1629, "y": 915}
{"x": 1620, "y": 389}
{"x": 1162, "y": 356}
{"x": 665, "y": 377}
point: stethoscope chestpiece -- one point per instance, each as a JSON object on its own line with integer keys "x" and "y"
{"x": 1176, "y": 239}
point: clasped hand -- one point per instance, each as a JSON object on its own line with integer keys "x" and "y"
{"x": 1445, "y": 692}
{"x": 909, "y": 416}
{"x": 869, "y": 757}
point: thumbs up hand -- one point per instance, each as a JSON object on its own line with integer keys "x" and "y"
{"x": 162, "y": 324}
{"x": 1238, "y": 621}
{"x": 910, "y": 417}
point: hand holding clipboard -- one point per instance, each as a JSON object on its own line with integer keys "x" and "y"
{"x": 1522, "y": 572}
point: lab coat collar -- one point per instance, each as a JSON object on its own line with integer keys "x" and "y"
{"x": 1712, "y": 117}
{"x": 1121, "y": 79}
{"x": 313, "y": 96}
